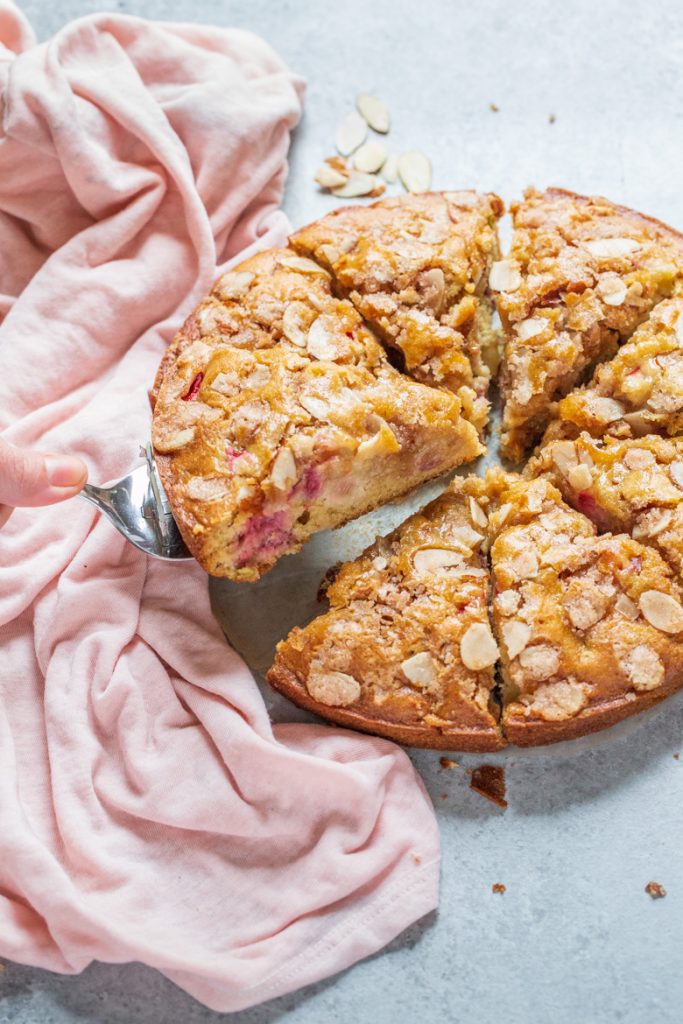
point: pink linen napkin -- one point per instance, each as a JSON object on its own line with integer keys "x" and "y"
{"x": 148, "y": 809}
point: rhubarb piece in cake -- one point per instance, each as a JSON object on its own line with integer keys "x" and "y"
{"x": 417, "y": 267}
{"x": 590, "y": 628}
{"x": 278, "y": 414}
{"x": 582, "y": 274}
{"x": 639, "y": 391}
{"x": 634, "y": 486}
{"x": 406, "y": 649}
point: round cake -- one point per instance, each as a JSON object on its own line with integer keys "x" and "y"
{"x": 324, "y": 379}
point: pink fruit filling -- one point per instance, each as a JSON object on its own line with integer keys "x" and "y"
{"x": 263, "y": 537}
{"x": 586, "y": 503}
{"x": 310, "y": 484}
{"x": 194, "y": 388}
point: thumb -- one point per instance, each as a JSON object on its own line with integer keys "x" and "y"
{"x": 33, "y": 478}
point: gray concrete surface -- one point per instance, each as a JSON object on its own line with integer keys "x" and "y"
{"x": 574, "y": 938}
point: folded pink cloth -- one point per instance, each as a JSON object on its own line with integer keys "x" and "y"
{"x": 148, "y": 809}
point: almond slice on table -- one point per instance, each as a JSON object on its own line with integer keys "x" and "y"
{"x": 329, "y": 177}
{"x": 415, "y": 171}
{"x": 370, "y": 157}
{"x": 351, "y": 133}
{"x": 358, "y": 184}
{"x": 373, "y": 112}
{"x": 390, "y": 169}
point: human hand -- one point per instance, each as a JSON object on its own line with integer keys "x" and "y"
{"x": 34, "y": 478}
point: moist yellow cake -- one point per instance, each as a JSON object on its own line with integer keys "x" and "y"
{"x": 406, "y": 649}
{"x": 633, "y": 486}
{"x": 278, "y": 414}
{"x": 638, "y": 392}
{"x": 590, "y": 628}
{"x": 416, "y": 268}
{"x": 582, "y": 274}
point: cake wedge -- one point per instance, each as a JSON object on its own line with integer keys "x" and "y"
{"x": 277, "y": 414}
{"x": 406, "y": 649}
{"x": 582, "y": 274}
{"x": 416, "y": 267}
{"x": 590, "y": 628}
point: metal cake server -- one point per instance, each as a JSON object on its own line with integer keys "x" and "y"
{"x": 139, "y": 509}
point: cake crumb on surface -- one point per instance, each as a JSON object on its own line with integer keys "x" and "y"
{"x": 656, "y": 890}
{"x": 498, "y": 887}
{"x": 448, "y": 762}
{"x": 489, "y": 780}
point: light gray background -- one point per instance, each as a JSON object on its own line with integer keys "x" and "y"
{"x": 574, "y": 938}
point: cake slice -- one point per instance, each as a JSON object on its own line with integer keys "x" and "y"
{"x": 406, "y": 649}
{"x": 581, "y": 276}
{"x": 590, "y": 628}
{"x": 633, "y": 486}
{"x": 638, "y": 392}
{"x": 277, "y": 414}
{"x": 416, "y": 267}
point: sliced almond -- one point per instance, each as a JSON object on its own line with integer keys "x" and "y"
{"x": 508, "y": 602}
{"x": 564, "y": 456}
{"x": 662, "y": 611}
{"x": 358, "y": 184}
{"x": 328, "y": 177}
{"x": 659, "y": 523}
{"x": 234, "y": 284}
{"x": 477, "y": 514}
{"x": 466, "y": 536}
{"x": 504, "y": 276}
{"x": 379, "y": 563}
{"x": 370, "y": 156}
{"x": 433, "y": 560}
{"x": 374, "y": 112}
{"x": 295, "y": 313}
{"x": 200, "y": 489}
{"x": 626, "y": 607}
{"x": 516, "y": 635}
{"x": 320, "y": 343}
{"x": 336, "y": 689}
{"x": 478, "y": 649}
{"x": 351, "y": 133}
{"x": 415, "y": 171}
{"x": 530, "y": 327}
{"x": 174, "y": 442}
{"x": 676, "y": 473}
{"x": 644, "y": 668}
{"x": 303, "y": 265}
{"x": 317, "y": 408}
{"x": 606, "y": 409}
{"x": 421, "y": 670}
{"x": 384, "y": 442}
{"x": 283, "y": 473}
{"x": 580, "y": 478}
{"x": 611, "y": 248}
{"x": 390, "y": 169}
{"x": 612, "y": 290}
